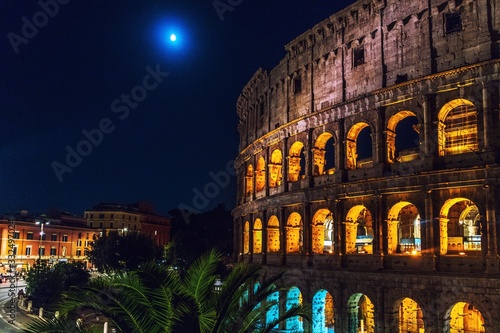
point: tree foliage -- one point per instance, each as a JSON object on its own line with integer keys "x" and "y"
{"x": 45, "y": 283}
{"x": 115, "y": 251}
{"x": 156, "y": 299}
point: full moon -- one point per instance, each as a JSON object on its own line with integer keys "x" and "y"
{"x": 173, "y": 37}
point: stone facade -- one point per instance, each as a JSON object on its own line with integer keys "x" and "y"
{"x": 368, "y": 168}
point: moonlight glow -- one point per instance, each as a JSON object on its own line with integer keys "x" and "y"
{"x": 173, "y": 37}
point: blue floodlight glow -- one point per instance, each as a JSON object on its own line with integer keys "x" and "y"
{"x": 173, "y": 37}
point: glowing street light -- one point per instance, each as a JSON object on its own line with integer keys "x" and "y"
{"x": 41, "y": 237}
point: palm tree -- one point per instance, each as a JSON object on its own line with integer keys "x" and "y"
{"x": 155, "y": 299}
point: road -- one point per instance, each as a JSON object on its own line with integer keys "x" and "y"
{"x": 5, "y": 327}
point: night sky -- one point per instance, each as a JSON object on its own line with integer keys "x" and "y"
{"x": 99, "y": 69}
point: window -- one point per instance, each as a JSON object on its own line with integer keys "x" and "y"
{"x": 16, "y": 235}
{"x": 91, "y": 216}
{"x": 79, "y": 235}
{"x": 87, "y": 236}
{"x": 28, "y": 250}
{"x": 43, "y": 236}
{"x": 78, "y": 252}
{"x": 91, "y": 224}
{"x": 64, "y": 251}
{"x": 453, "y": 22}
{"x": 100, "y": 225}
{"x": 111, "y": 225}
{"x": 297, "y": 85}
{"x": 358, "y": 55}
{"x": 65, "y": 238}
{"x": 53, "y": 237}
{"x": 14, "y": 251}
{"x": 112, "y": 216}
{"x": 53, "y": 251}
{"x": 29, "y": 235}
{"x": 41, "y": 250}
{"x": 87, "y": 243}
{"x": 79, "y": 242}
{"x": 86, "y": 216}
{"x": 101, "y": 216}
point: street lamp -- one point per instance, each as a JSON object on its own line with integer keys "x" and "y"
{"x": 41, "y": 223}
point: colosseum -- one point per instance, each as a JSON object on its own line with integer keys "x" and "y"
{"x": 368, "y": 169}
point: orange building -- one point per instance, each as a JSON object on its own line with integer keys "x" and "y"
{"x": 54, "y": 237}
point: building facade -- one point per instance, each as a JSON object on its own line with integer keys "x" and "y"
{"x": 56, "y": 237}
{"x": 368, "y": 169}
{"x": 138, "y": 217}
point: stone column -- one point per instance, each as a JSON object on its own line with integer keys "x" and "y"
{"x": 306, "y": 230}
{"x": 378, "y": 240}
{"x": 285, "y": 165}
{"x": 487, "y": 119}
{"x": 351, "y": 229}
{"x": 283, "y": 235}
{"x": 492, "y": 263}
{"x": 338, "y": 249}
{"x": 378, "y": 155}
{"x": 427, "y": 140}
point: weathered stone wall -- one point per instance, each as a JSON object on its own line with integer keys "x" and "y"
{"x": 367, "y": 69}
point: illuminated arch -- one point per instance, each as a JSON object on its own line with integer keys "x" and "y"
{"x": 273, "y": 234}
{"x": 246, "y": 238}
{"x": 260, "y": 175}
{"x": 352, "y": 147}
{"x": 294, "y": 233}
{"x": 323, "y": 147}
{"x": 295, "y": 161}
{"x": 272, "y": 301}
{"x": 359, "y": 230}
{"x": 457, "y": 128}
{"x": 323, "y": 319}
{"x": 393, "y": 153}
{"x": 249, "y": 180}
{"x": 459, "y": 227}
{"x": 403, "y": 229}
{"x": 410, "y": 317}
{"x": 464, "y": 317}
{"x": 294, "y": 298}
{"x": 275, "y": 172}
{"x": 322, "y": 231}
{"x": 361, "y": 314}
{"x": 257, "y": 236}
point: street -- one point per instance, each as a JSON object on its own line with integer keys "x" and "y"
{"x": 5, "y": 300}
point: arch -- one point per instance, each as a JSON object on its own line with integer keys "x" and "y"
{"x": 323, "y": 147}
{"x": 294, "y": 235}
{"x": 460, "y": 227}
{"x": 294, "y": 298}
{"x": 246, "y": 238}
{"x": 410, "y": 318}
{"x": 273, "y": 234}
{"x": 359, "y": 230}
{"x": 275, "y": 172}
{"x": 457, "y": 128}
{"x": 361, "y": 314}
{"x": 272, "y": 301}
{"x": 296, "y": 159}
{"x": 322, "y": 231}
{"x": 403, "y": 229}
{"x": 323, "y": 319}
{"x": 260, "y": 175}
{"x": 249, "y": 180}
{"x": 407, "y": 148}
{"x": 352, "y": 151}
{"x": 257, "y": 236}
{"x": 464, "y": 317}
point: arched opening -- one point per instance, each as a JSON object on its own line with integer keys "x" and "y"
{"x": 403, "y": 229}
{"x": 275, "y": 166}
{"x": 296, "y": 160}
{"x": 260, "y": 175}
{"x": 359, "y": 147}
{"x": 246, "y": 238}
{"x": 324, "y": 155}
{"x": 249, "y": 180}
{"x": 361, "y": 314}
{"x": 410, "y": 317}
{"x": 465, "y": 318}
{"x": 294, "y": 298}
{"x": 274, "y": 310}
{"x": 460, "y": 227}
{"x": 294, "y": 233}
{"x": 457, "y": 128}
{"x": 402, "y": 137}
{"x": 359, "y": 230}
{"x": 323, "y": 320}
{"x": 322, "y": 232}
{"x": 257, "y": 236}
{"x": 273, "y": 234}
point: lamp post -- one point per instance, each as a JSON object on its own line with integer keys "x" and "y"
{"x": 41, "y": 223}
